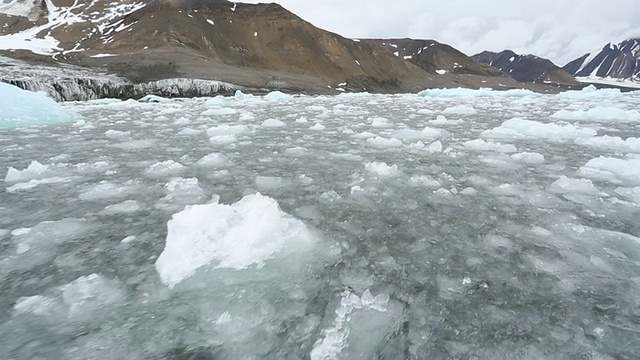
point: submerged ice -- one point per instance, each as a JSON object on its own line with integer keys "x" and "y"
{"x": 453, "y": 224}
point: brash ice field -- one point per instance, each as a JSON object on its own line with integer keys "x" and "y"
{"x": 452, "y": 224}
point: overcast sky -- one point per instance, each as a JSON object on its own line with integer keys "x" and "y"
{"x": 560, "y": 30}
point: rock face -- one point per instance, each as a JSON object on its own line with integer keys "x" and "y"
{"x": 617, "y": 61}
{"x": 526, "y": 68}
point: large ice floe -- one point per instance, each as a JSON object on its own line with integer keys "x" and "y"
{"x": 357, "y": 226}
{"x": 237, "y": 236}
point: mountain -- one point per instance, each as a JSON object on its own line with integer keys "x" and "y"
{"x": 262, "y": 46}
{"x": 526, "y": 68}
{"x": 617, "y": 61}
{"x": 435, "y": 57}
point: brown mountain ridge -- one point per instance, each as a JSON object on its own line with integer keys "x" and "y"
{"x": 261, "y": 46}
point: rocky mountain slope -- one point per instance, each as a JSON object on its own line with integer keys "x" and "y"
{"x": 526, "y": 68}
{"x": 617, "y": 61}
{"x": 435, "y": 57}
{"x": 259, "y": 47}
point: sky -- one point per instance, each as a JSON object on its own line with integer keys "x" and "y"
{"x": 560, "y": 30}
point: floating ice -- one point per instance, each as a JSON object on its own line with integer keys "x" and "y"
{"x": 164, "y": 168}
{"x": 617, "y": 171}
{"x": 381, "y": 142}
{"x": 115, "y": 134}
{"x": 106, "y": 190}
{"x": 599, "y": 114}
{"x": 462, "y": 92}
{"x": 87, "y": 294}
{"x": 379, "y": 122}
{"x": 153, "y": 99}
{"x": 565, "y": 185}
{"x": 481, "y": 145}
{"x": 125, "y": 207}
{"x": 382, "y": 169}
{"x": 360, "y": 322}
{"x": 590, "y": 92}
{"x": 435, "y": 147}
{"x": 213, "y": 160}
{"x": 219, "y": 112}
{"x": 224, "y": 129}
{"x": 273, "y": 123}
{"x": 277, "y": 96}
{"x": 530, "y": 158}
{"x": 24, "y": 186}
{"x": 632, "y": 194}
{"x": 35, "y": 170}
{"x": 317, "y": 126}
{"x": 237, "y": 236}
{"x": 528, "y": 129}
{"x": 21, "y": 108}
{"x": 614, "y": 143}
{"x": 460, "y": 110}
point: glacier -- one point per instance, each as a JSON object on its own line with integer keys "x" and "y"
{"x": 446, "y": 225}
{"x": 22, "y": 108}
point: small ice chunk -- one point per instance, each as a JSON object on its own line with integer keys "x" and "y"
{"x": 24, "y": 186}
{"x": 435, "y": 147}
{"x": 106, "y": 190}
{"x": 432, "y": 132}
{"x": 115, "y": 134}
{"x": 35, "y": 170}
{"x": 213, "y": 160}
{"x": 153, "y": 99}
{"x": 481, "y": 145}
{"x": 565, "y": 185}
{"x": 164, "y": 168}
{"x": 317, "y": 126}
{"x": 424, "y": 180}
{"x": 379, "y": 122}
{"x": 271, "y": 182}
{"x": 273, "y": 123}
{"x": 633, "y": 194}
{"x": 382, "y": 169}
{"x": 222, "y": 111}
{"x": 528, "y": 158}
{"x": 125, "y": 207}
{"x": 277, "y": 96}
{"x": 128, "y": 239}
{"x": 37, "y": 305}
{"x": 617, "y": 171}
{"x": 226, "y": 130}
{"x": 87, "y": 294}
{"x": 381, "y": 142}
{"x": 237, "y": 236}
{"x": 469, "y": 191}
{"x": 460, "y": 110}
{"x": 410, "y": 135}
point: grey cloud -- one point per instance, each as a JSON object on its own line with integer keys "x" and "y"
{"x": 559, "y": 30}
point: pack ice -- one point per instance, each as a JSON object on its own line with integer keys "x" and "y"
{"x": 450, "y": 224}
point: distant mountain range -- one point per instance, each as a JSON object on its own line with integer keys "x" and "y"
{"x": 616, "y": 61}
{"x": 526, "y": 68}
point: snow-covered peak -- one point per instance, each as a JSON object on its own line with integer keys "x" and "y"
{"x": 65, "y": 26}
{"x": 28, "y": 8}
